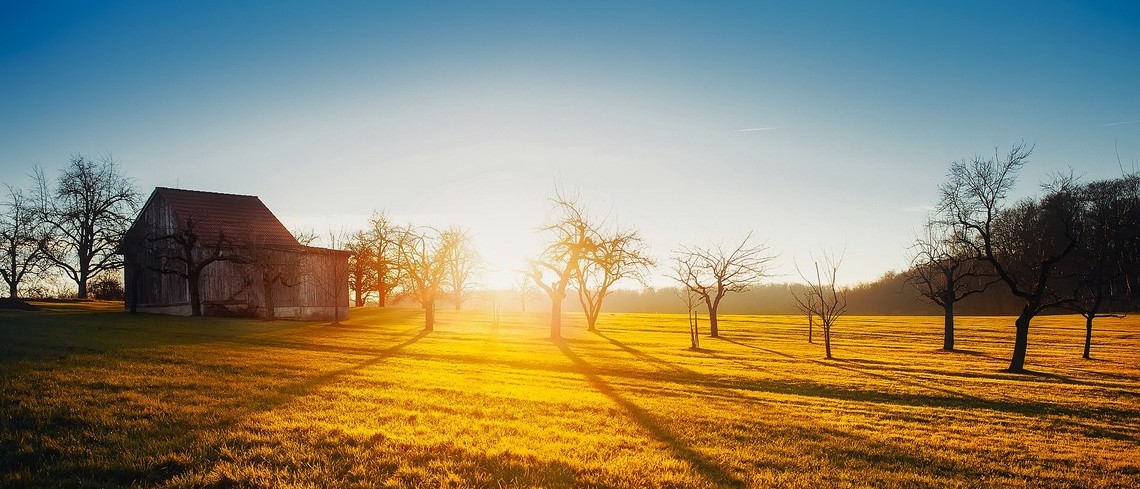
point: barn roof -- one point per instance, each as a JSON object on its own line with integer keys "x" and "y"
{"x": 237, "y": 217}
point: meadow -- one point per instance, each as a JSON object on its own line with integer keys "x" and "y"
{"x": 93, "y": 397}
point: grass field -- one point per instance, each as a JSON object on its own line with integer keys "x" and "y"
{"x": 97, "y": 398}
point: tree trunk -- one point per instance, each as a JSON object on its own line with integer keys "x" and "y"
{"x": 1021, "y": 340}
{"x": 195, "y": 296}
{"x": 713, "y": 330}
{"x": 948, "y": 328}
{"x": 429, "y": 316}
{"x": 381, "y": 296}
{"x": 1088, "y": 336}
{"x": 555, "y": 319}
{"x": 811, "y": 326}
{"x": 270, "y": 305}
{"x": 132, "y": 284}
{"x": 82, "y": 283}
{"x": 827, "y": 341}
{"x": 359, "y": 298}
{"x": 591, "y": 321}
{"x": 12, "y": 288}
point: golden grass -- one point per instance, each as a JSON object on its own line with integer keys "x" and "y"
{"x": 97, "y": 398}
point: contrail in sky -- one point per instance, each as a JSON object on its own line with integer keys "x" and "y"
{"x": 755, "y": 129}
{"x": 1121, "y": 123}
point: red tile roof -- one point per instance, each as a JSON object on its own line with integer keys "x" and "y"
{"x": 240, "y": 218}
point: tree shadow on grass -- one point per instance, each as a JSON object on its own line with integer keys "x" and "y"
{"x": 309, "y": 385}
{"x": 640, "y": 355}
{"x": 642, "y": 417}
{"x": 746, "y": 345}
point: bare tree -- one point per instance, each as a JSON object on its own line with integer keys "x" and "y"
{"x": 692, "y": 301}
{"x": 271, "y": 266}
{"x": 1108, "y": 216}
{"x": 525, "y": 288}
{"x": 424, "y": 258}
{"x": 712, "y": 272}
{"x": 463, "y": 265}
{"x": 824, "y": 298}
{"x": 183, "y": 252}
{"x": 806, "y": 303}
{"x": 1023, "y": 244}
{"x": 23, "y": 239}
{"x": 570, "y": 235}
{"x": 88, "y": 210}
{"x": 945, "y": 272}
{"x": 614, "y": 256}
{"x": 386, "y": 239}
{"x": 362, "y": 278}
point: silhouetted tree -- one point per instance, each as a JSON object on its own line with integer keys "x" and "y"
{"x": 824, "y": 298}
{"x": 806, "y": 303}
{"x": 615, "y": 255}
{"x": 1023, "y": 244}
{"x": 945, "y": 272}
{"x": 362, "y": 278}
{"x": 424, "y": 257}
{"x": 713, "y": 272}
{"x": 463, "y": 265}
{"x": 106, "y": 288}
{"x": 88, "y": 210}
{"x": 186, "y": 254}
{"x": 386, "y": 237}
{"x": 569, "y": 236}
{"x": 23, "y": 239}
{"x": 691, "y": 303}
{"x": 270, "y": 266}
{"x": 524, "y": 287}
{"x": 1107, "y": 220}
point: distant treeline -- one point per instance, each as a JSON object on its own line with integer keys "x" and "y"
{"x": 889, "y": 295}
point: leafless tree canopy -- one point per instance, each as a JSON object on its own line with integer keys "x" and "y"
{"x": 362, "y": 277}
{"x": 525, "y": 288}
{"x": 1101, "y": 270}
{"x": 612, "y": 256}
{"x": 463, "y": 264}
{"x": 23, "y": 239}
{"x": 824, "y": 298}
{"x": 386, "y": 239}
{"x": 186, "y": 253}
{"x": 88, "y": 209}
{"x": 569, "y": 235}
{"x": 1022, "y": 244}
{"x": 945, "y": 271}
{"x": 712, "y": 272}
{"x": 423, "y": 256}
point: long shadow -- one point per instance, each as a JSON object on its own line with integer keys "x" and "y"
{"x": 703, "y": 465}
{"x": 292, "y": 391}
{"x": 1097, "y": 431}
{"x": 811, "y": 388}
{"x": 644, "y": 356}
{"x": 746, "y": 345}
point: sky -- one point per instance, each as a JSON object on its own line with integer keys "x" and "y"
{"x": 813, "y": 125}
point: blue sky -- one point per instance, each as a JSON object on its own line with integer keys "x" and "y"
{"x": 472, "y": 113}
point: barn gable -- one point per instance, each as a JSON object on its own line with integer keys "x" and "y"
{"x": 239, "y": 218}
{"x": 249, "y": 264}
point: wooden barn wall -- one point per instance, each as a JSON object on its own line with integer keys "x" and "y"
{"x": 154, "y": 288}
{"x": 315, "y": 286}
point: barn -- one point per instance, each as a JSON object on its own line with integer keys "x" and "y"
{"x": 206, "y": 253}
